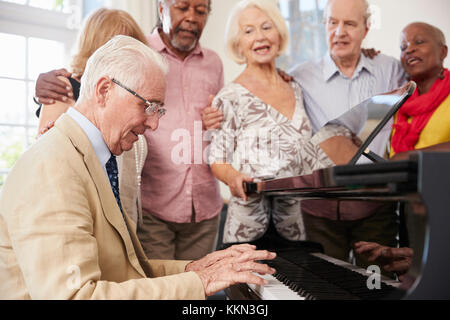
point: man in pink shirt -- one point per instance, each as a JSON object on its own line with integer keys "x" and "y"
{"x": 181, "y": 200}
{"x": 180, "y": 197}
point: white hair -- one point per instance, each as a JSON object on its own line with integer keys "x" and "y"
{"x": 123, "y": 58}
{"x": 270, "y": 8}
{"x": 367, "y": 12}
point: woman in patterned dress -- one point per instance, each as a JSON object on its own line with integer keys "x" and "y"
{"x": 265, "y": 128}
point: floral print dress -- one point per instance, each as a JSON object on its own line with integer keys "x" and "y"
{"x": 262, "y": 143}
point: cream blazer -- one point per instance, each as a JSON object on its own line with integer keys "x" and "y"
{"x": 62, "y": 235}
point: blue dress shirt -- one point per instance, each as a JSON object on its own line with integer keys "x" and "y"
{"x": 328, "y": 93}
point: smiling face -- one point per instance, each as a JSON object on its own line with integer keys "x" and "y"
{"x": 124, "y": 116}
{"x": 346, "y": 28}
{"x": 259, "y": 40}
{"x": 422, "y": 51}
{"x": 183, "y": 23}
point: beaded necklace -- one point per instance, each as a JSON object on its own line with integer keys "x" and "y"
{"x": 139, "y": 157}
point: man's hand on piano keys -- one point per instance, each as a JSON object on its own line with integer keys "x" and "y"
{"x": 237, "y": 264}
{"x": 397, "y": 260}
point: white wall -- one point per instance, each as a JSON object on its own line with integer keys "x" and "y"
{"x": 144, "y": 12}
{"x": 393, "y": 15}
{"x": 214, "y": 34}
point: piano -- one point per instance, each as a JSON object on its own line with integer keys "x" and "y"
{"x": 420, "y": 186}
{"x": 305, "y": 273}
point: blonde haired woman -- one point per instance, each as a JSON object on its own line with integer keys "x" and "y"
{"x": 98, "y": 28}
{"x": 101, "y": 26}
{"x": 264, "y": 127}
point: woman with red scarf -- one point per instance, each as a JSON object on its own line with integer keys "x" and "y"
{"x": 423, "y": 122}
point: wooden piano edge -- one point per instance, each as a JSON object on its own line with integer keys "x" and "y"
{"x": 241, "y": 292}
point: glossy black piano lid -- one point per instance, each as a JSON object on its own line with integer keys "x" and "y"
{"x": 341, "y": 177}
{"x": 380, "y": 109}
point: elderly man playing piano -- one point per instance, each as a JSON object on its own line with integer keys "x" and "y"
{"x": 63, "y": 231}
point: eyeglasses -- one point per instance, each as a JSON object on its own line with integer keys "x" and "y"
{"x": 152, "y": 107}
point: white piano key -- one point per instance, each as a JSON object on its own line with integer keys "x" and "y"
{"x": 275, "y": 290}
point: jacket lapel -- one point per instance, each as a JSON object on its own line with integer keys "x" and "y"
{"x": 111, "y": 210}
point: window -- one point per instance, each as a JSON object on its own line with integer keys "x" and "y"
{"x": 57, "y": 5}
{"x": 307, "y": 33}
{"x": 35, "y": 36}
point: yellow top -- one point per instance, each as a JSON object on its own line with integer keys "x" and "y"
{"x": 437, "y": 129}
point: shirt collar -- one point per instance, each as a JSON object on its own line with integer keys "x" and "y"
{"x": 365, "y": 63}
{"x": 330, "y": 68}
{"x": 158, "y": 44}
{"x": 94, "y": 135}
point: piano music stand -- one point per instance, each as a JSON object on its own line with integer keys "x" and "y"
{"x": 399, "y": 97}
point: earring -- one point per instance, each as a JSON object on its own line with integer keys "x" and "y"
{"x": 441, "y": 76}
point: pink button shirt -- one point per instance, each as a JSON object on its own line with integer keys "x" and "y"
{"x": 176, "y": 176}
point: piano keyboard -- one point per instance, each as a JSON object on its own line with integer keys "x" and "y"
{"x": 316, "y": 276}
{"x": 384, "y": 279}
